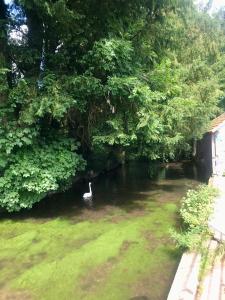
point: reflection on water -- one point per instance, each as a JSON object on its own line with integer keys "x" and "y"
{"x": 121, "y": 187}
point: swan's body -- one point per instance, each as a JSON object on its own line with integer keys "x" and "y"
{"x": 88, "y": 196}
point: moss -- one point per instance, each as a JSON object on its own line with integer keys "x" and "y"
{"x": 100, "y": 259}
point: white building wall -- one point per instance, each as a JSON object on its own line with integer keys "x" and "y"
{"x": 218, "y": 151}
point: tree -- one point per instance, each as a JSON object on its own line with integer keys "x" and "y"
{"x": 100, "y": 77}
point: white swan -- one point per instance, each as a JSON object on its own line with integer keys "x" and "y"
{"x": 87, "y": 196}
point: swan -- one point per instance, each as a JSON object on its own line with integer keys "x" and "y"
{"x": 87, "y": 196}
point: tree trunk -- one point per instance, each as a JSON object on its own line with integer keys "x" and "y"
{"x": 3, "y": 38}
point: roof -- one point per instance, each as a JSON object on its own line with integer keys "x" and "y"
{"x": 217, "y": 122}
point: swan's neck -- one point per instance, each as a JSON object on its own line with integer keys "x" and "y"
{"x": 90, "y": 188}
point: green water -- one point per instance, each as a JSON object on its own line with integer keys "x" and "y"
{"x": 118, "y": 249}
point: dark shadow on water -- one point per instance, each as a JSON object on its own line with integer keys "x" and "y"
{"x": 128, "y": 188}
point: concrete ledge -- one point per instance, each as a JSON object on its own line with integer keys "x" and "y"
{"x": 185, "y": 283}
{"x": 214, "y": 281}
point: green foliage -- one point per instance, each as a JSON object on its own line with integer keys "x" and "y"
{"x": 109, "y": 56}
{"x": 196, "y": 209}
{"x": 52, "y": 100}
{"x": 3, "y": 82}
{"x": 144, "y": 77}
{"x": 14, "y": 136}
{"x": 36, "y": 171}
{"x": 84, "y": 89}
{"x": 196, "y": 206}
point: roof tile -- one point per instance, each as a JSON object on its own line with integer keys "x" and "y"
{"x": 217, "y": 122}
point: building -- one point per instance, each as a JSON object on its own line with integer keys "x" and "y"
{"x": 211, "y": 149}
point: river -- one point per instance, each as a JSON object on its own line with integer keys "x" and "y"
{"x": 119, "y": 248}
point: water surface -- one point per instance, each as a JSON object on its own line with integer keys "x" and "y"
{"x": 118, "y": 249}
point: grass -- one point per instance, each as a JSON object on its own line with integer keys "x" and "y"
{"x": 121, "y": 255}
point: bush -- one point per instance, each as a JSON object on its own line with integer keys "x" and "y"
{"x": 35, "y": 171}
{"x": 195, "y": 211}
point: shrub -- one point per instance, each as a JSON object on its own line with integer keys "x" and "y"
{"x": 35, "y": 171}
{"x": 195, "y": 211}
